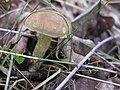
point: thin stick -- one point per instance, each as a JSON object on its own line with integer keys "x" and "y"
{"x": 71, "y": 5}
{"x": 20, "y": 80}
{"x": 1, "y": 16}
{"x": 41, "y": 59}
{"x": 24, "y": 77}
{"x": 106, "y": 61}
{"x": 113, "y": 1}
{"x": 16, "y": 32}
{"x": 84, "y": 60}
{"x": 96, "y": 79}
{"x": 110, "y": 1}
{"x": 99, "y": 68}
{"x": 48, "y": 79}
{"x": 1, "y": 84}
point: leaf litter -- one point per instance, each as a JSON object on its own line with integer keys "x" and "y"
{"x": 88, "y": 29}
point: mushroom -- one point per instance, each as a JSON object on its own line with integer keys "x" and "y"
{"x": 48, "y": 24}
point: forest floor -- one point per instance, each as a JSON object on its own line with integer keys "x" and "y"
{"x": 81, "y": 51}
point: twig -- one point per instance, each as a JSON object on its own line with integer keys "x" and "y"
{"x": 71, "y": 5}
{"x": 113, "y": 1}
{"x": 24, "y": 77}
{"x": 15, "y": 83}
{"x": 99, "y": 68}
{"x": 16, "y": 32}
{"x": 96, "y": 79}
{"x": 110, "y": 1}
{"x": 93, "y": 67}
{"x": 1, "y": 16}
{"x": 84, "y": 60}
{"x": 109, "y": 63}
{"x": 86, "y": 12}
{"x": 36, "y": 58}
{"x": 48, "y": 79}
{"x": 3, "y": 36}
{"x": 1, "y": 84}
{"x": 116, "y": 63}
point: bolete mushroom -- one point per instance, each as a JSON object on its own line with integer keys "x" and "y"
{"x": 48, "y": 24}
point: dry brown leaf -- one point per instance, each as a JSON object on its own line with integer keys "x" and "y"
{"x": 105, "y": 86}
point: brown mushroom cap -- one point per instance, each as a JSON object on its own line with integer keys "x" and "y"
{"x": 49, "y": 22}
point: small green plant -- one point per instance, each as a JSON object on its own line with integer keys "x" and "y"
{"x": 19, "y": 59}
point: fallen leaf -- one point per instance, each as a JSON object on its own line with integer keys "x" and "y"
{"x": 105, "y": 86}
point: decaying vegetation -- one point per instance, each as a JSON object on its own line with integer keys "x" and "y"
{"x": 59, "y": 45}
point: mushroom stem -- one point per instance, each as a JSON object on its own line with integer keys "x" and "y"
{"x": 41, "y": 47}
{"x": 51, "y": 24}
